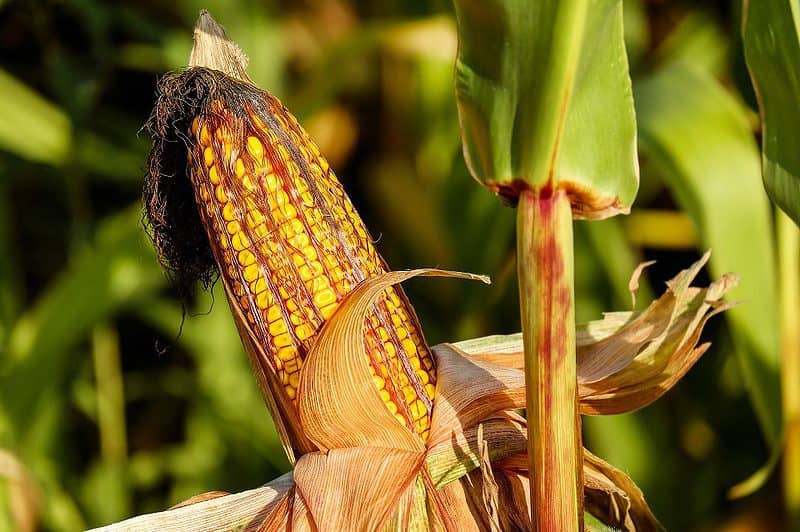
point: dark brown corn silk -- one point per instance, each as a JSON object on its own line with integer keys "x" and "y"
{"x": 235, "y": 183}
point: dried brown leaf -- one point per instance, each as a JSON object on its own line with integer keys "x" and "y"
{"x": 338, "y": 403}
{"x": 469, "y": 391}
{"x": 611, "y": 496}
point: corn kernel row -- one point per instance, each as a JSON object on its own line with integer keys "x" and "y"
{"x": 293, "y": 246}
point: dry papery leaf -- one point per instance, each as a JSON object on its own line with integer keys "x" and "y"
{"x": 627, "y": 360}
{"x": 471, "y": 474}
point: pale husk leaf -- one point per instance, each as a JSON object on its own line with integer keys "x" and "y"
{"x": 241, "y": 511}
{"x": 338, "y": 403}
{"x": 451, "y": 459}
{"x": 356, "y": 488}
{"x": 490, "y": 491}
{"x": 470, "y": 390}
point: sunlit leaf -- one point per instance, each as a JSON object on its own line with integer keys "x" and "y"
{"x": 697, "y": 136}
{"x": 30, "y": 126}
{"x": 536, "y": 86}
{"x": 771, "y": 37}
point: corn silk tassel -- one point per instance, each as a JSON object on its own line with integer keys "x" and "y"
{"x": 384, "y": 431}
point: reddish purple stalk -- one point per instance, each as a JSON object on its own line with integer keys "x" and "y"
{"x": 546, "y": 287}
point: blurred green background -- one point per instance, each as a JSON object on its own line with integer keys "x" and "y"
{"x": 111, "y": 405}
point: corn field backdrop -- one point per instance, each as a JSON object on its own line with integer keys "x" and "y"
{"x": 113, "y": 402}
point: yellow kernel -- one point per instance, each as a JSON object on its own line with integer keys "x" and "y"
{"x": 263, "y": 299}
{"x": 385, "y": 396}
{"x": 310, "y": 252}
{"x": 222, "y": 197}
{"x": 320, "y": 283}
{"x": 390, "y": 349}
{"x": 289, "y": 211}
{"x": 277, "y": 327}
{"x": 300, "y": 240}
{"x": 258, "y": 286}
{"x": 251, "y": 272}
{"x": 239, "y": 168}
{"x": 296, "y": 318}
{"x": 205, "y": 138}
{"x": 255, "y": 148}
{"x": 274, "y": 313}
{"x": 400, "y": 418}
{"x": 379, "y": 382}
{"x": 208, "y": 156}
{"x": 305, "y": 271}
{"x": 304, "y": 331}
{"x": 283, "y": 340}
{"x": 324, "y": 298}
{"x": 229, "y": 211}
{"x": 294, "y": 379}
{"x": 261, "y": 232}
{"x": 421, "y": 424}
{"x": 383, "y": 334}
{"x": 254, "y": 217}
{"x": 213, "y": 175}
{"x": 233, "y": 227}
{"x": 392, "y": 407}
{"x": 418, "y": 409}
{"x": 409, "y": 346}
{"x": 195, "y": 125}
{"x": 415, "y": 363}
{"x": 249, "y": 182}
{"x": 423, "y": 376}
{"x": 409, "y": 394}
{"x": 290, "y": 392}
{"x": 327, "y": 311}
{"x": 240, "y": 241}
{"x": 246, "y": 258}
{"x": 430, "y": 390}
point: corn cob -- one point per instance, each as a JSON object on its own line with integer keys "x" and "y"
{"x": 290, "y": 246}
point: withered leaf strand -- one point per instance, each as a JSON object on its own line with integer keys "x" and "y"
{"x": 234, "y": 182}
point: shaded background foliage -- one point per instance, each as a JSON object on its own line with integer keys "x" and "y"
{"x": 111, "y": 405}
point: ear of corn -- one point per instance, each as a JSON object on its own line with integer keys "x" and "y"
{"x": 290, "y": 247}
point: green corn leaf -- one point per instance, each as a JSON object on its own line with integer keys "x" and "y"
{"x": 544, "y": 97}
{"x": 697, "y": 136}
{"x": 771, "y": 34}
{"x": 118, "y": 269}
{"x": 30, "y": 126}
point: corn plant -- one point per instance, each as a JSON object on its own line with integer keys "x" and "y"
{"x": 98, "y": 422}
{"x": 384, "y": 431}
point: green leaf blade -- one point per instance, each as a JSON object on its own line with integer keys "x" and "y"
{"x": 771, "y": 35}
{"x": 698, "y": 137}
{"x": 545, "y": 100}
